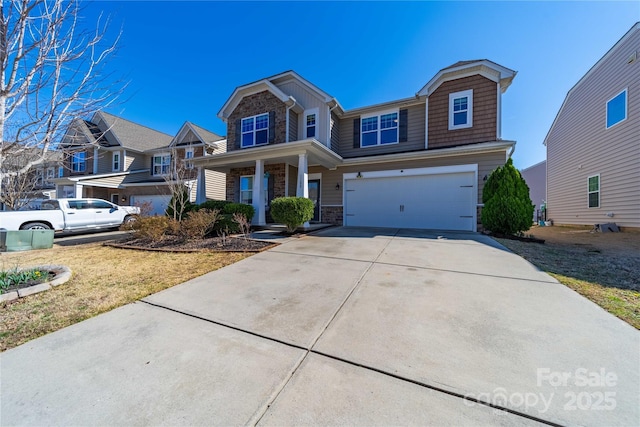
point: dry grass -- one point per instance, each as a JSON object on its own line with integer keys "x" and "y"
{"x": 603, "y": 267}
{"x": 103, "y": 278}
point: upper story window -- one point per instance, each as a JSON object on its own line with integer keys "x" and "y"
{"x": 115, "y": 164}
{"x": 51, "y": 173}
{"x": 380, "y": 129}
{"x": 593, "y": 190}
{"x": 161, "y": 164}
{"x": 188, "y": 154}
{"x": 60, "y": 171}
{"x": 617, "y": 109}
{"x": 78, "y": 162}
{"x": 461, "y": 109}
{"x": 255, "y": 130}
{"x": 39, "y": 174}
{"x": 311, "y": 123}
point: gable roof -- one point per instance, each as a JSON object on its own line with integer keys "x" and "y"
{"x": 204, "y": 136}
{"x": 460, "y": 69}
{"x": 270, "y": 84}
{"x": 130, "y": 135}
{"x": 635, "y": 27}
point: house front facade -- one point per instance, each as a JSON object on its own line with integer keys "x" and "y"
{"x": 593, "y": 145}
{"x": 417, "y": 162}
{"x": 126, "y": 163}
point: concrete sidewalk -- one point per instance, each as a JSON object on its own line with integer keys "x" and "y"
{"x": 348, "y": 326}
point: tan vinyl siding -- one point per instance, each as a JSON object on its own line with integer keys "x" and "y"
{"x": 293, "y": 126}
{"x": 485, "y": 113}
{"x": 579, "y": 145}
{"x": 415, "y": 136}
{"x": 138, "y": 161}
{"x": 104, "y": 162}
{"x": 215, "y": 185}
{"x": 128, "y": 161}
{"x": 486, "y": 163}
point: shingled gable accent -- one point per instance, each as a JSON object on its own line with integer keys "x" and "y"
{"x": 490, "y": 70}
{"x": 204, "y": 136}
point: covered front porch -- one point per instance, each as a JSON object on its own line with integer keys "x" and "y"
{"x": 258, "y": 175}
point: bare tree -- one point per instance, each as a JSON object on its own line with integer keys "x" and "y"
{"x": 52, "y": 71}
{"x": 180, "y": 180}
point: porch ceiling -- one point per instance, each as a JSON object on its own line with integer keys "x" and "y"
{"x": 317, "y": 154}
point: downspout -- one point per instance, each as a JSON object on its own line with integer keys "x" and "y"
{"x": 335, "y": 105}
{"x": 289, "y": 107}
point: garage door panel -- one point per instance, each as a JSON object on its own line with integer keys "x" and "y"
{"x": 439, "y": 201}
{"x": 157, "y": 204}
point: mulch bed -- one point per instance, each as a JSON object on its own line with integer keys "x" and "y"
{"x": 519, "y": 238}
{"x": 216, "y": 244}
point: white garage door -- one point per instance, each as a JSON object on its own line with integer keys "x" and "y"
{"x": 436, "y": 201}
{"x": 158, "y": 204}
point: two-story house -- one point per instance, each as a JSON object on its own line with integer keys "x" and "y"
{"x": 593, "y": 145}
{"x": 126, "y": 163}
{"x": 417, "y": 162}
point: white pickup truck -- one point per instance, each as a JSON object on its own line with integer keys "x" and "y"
{"x": 69, "y": 215}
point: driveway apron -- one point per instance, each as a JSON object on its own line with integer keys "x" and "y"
{"x": 354, "y": 326}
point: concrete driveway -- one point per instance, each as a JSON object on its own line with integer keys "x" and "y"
{"x": 349, "y": 326}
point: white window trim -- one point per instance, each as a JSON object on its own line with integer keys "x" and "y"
{"x": 626, "y": 108}
{"x": 254, "y": 130}
{"x": 153, "y": 169}
{"x": 188, "y": 164}
{"x": 240, "y": 190}
{"x": 309, "y": 112}
{"x": 456, "y": 95}
{"x": 82, "y": 166}
{"x": 51, "y": 173}
{"x": 589, "y": 191}
{"x": 378, "y": 115}
{"x": 113, "y": 161}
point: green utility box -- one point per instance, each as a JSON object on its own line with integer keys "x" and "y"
{"x": 25, "y": 240}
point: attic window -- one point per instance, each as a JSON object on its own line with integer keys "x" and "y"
{"x": 461, "y": 110}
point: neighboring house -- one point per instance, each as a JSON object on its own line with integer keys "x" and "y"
{"x": 536, "y": 178}
{"x": 126, "y": 163}
{"x": 416, "y": 162}
{"x": 593, "y": 145}
{"x": 38, "y": 182}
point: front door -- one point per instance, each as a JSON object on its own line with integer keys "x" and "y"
{"x": 314, "y": 195}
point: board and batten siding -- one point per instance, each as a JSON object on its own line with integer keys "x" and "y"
{"x": 486, "y": 162}
{"x": 579, "y": 145}
{"x": 307, "y": 100}
{"x": 415, "y": 135}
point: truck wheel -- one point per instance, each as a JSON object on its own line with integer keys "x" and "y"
{"x": 35, "y": 226}
{"x": 129, "y": 220}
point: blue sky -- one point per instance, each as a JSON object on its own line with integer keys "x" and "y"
{"x": 184, "y": 59}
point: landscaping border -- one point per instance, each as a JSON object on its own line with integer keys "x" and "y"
{"x": 62, "y": 275}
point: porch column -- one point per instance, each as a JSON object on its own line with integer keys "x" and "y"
{"x": 201, "y": 190}
{"x": 302, "y": 190}
{"x": 79, "y": 190}
{"x": 258, "y": 194}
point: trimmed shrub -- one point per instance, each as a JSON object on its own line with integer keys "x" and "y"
{"x": 292, "y": 211}
{"x": 507, "y": 206}
{"x": 214, "y": 205}
{"x": 226, "y": 225}
{"x": 240, "y": 208}
{"x": 152, "y": 228}
{"x": 198, "y": 224}
{"x": 179, "y": 206}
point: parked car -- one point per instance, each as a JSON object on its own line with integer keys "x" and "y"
{"x": 69, "y": 215}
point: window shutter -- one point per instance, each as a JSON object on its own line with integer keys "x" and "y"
{"x": 151, "y": 167}
{"x": 272, "y": 126}
{"x": 238, "y": 134}
{"x": 402, "y": 128}
{"x": 356, "y": 133}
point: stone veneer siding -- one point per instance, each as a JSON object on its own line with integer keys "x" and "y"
{"x": 331, "y": 215}
{"x": 259, "y": 103}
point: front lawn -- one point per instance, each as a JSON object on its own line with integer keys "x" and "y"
{"x": 602, "y": 267}
{"x": 103, "y": 278}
